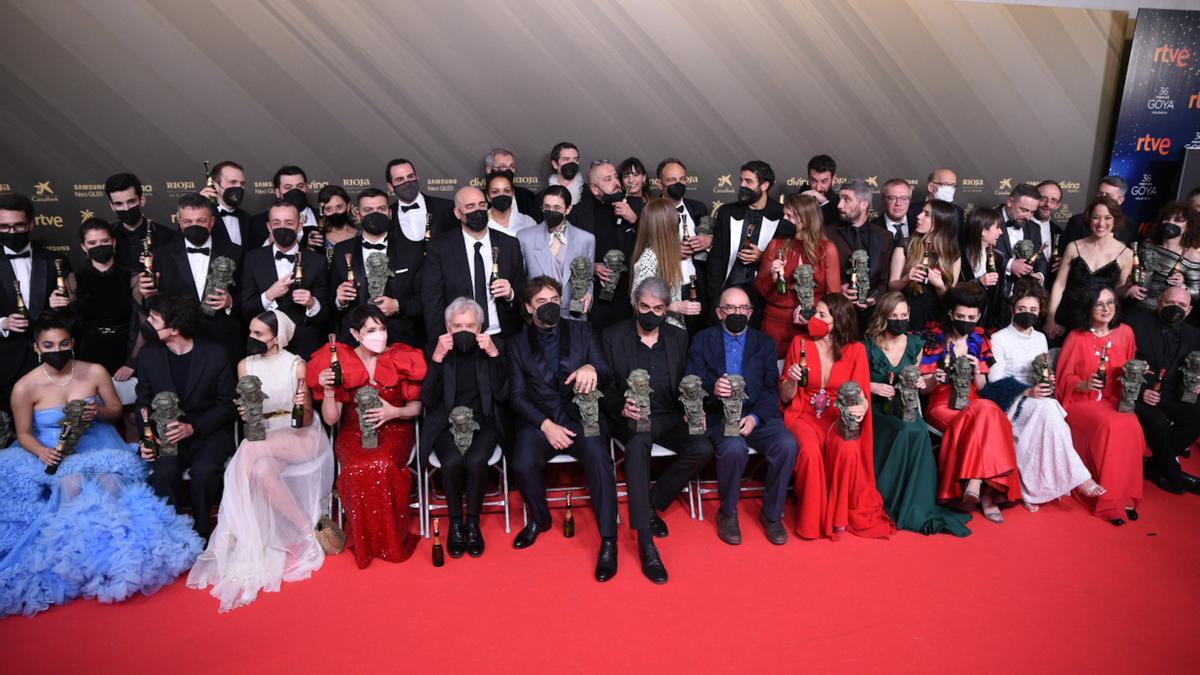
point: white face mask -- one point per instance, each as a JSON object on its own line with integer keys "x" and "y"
{"x": 944, "y": 193}
{"x": 375, "y": 342}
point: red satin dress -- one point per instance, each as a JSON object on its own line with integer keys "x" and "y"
{"x": 374, "y": 484}
{"x": 777, "y": 315}
{"x": 835, "y": 478}
{"x": 1110, "y": 443}
{"x": 977, "y": 441}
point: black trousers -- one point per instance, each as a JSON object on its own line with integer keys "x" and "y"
{"x": 1170, "y": 428}
{"x": 692, "y": 454}
{"x": 206, "y": 459}
{"x": 531, "y": 451}
{"x": 464, "y": 474}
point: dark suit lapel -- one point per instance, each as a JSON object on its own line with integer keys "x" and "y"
{"x": 179, "y": 257}
{"x": 39, "y": 270}
{"x": 194, "y": 372}
{"x": 7, "y": 277}
{"x": 360, "y": 269}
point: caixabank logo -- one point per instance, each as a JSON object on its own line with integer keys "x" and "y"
{"x": 1004, "y": 187}
{"x": 1161, "y": 103}
{"x": 441, "y": 184}
{"x": 44, "y": 192}
{"x": 724, "y": 185}
{"x": 1144, "y": 190}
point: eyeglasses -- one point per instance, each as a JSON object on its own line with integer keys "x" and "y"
{"x": 897, "y": 200}
{"x": 15, "y": 227}
{"x": 738, "y": 309}
{"x": 1104, "y": 304}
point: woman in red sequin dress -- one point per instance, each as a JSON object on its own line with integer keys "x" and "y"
{"x": 373, "y": 483}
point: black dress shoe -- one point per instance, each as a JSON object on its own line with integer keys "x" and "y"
{"x": 606, "y": 564}
{"x": 456, "y": 544}
{"x": 1165, "y": 484}
{"x": 658, "y": 526}
{"x": 776, "y": 532}
{"x": 728, "y": 529}
{"x": 1117, "y": 521}
{"x": 529, "y": 534}
{"x": 1190, "y": 483}
{"x": 652, "y": 565}
{"x": 474, "y": 540}
{"x": 1131, "y": 514}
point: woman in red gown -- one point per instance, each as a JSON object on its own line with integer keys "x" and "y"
{"x": 782, "y": 319}
{"x": 977, "y": 461}
{"x": 373, "y": 483}
{"x": 1110, "y": 443}
{"x": 835, "y": 477}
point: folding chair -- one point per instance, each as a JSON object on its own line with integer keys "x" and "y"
{"x": 564, "y": 458}
{"x": 656, "y": 451}
{"x": 499, "y": 497}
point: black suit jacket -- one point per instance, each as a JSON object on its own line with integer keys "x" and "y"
{"x": 880, "y": 244}
{"x": 129, "y": 243}
{"x": 16, "y": 349}
{"x": 447, "y": 275}
{"x": 598, "y": 218}
{"x": 175, "y": 278}
{"x": 1004, "y": 247}
{"x": 440, "y": 214}
{"x": 405, "y": 259}
{"x": 533, "y": 398}
{"x": 258, "y": 273}
{"x": 221, "y": 233}
{"x": 1147, "y": 330}
{"x": 723, "y": 248}
{"x": 527, "y": 202}
{"x": 619, "y": 342}
{"x": 438, "y": 389}
{"x": 206, "y": 399}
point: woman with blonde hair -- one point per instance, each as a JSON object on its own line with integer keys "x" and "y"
{"x": 930, "y": 264}
{"x": 657, "y": 254}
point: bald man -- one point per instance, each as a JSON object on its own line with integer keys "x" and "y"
{"x": 733, "y": 348}
{"x": 942, "y": 184}
{"x": 1164, "y": 339}
{"x": 468, "y": 262}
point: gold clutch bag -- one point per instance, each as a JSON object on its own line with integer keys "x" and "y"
{"x": 331, "y": 537}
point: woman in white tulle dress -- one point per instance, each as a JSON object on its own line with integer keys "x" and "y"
{"x": 276, "y": 489}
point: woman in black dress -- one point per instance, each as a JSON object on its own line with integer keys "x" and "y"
{"x": 1099, "y": 258}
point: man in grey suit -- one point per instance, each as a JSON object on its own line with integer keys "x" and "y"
{"x": 550, "y": 248}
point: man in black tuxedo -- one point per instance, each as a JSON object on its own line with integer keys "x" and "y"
{"x": 822, "y": 176}
{"x": 1112, "y": 186}
{"x": 650, "y": 344}
{"x": 416, "y": 216}
{"x": 183, "y": 266}
{"x": 602, "y": 211}
{"x": 855, "y": 233}
{"x": 460, "y": 264}
{"x": 291, "y": 185}
{"x": 1017, "y": 214}
{"x": 33, "y": 269}
{"x": 693, "y": 247}
{"x": 502, "y": 160}
{"x": 229, "y": 189}
{"x": 741, "y": 230}
{"x": 125, "y": 197}
{"x": 269, "y": 280}
{"x": 941, "y": 184}
{"x": 1050, "y": 199}
{"x": 1164, "y": 340}
{"x": 897, "y": 197}
{"x": 202, "y": 377}
{"x": 401, "y": 297}
{"x": 549, "y": 363}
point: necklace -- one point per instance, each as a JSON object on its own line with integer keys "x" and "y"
{"x": 64, "y": 385}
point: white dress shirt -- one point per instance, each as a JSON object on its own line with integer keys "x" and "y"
{"x": 233, "y": 227}
{"x": 469, "y": 242}
{"x": 413, "y": 221}
{"x": 893, "y": 224}
{"x": 282, "y": 267}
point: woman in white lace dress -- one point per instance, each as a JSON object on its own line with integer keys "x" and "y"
{"x": 1046, "y": 457}
{"x": 657, "y": 254}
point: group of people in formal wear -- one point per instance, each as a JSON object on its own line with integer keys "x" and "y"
{"x": 905, "y": 371}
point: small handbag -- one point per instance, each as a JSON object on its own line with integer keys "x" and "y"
{"x": 331, "y": 537}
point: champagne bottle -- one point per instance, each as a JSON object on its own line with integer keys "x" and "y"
{"x": 334, "y": 365}
{"x": 991, "y": 260}
{"x": 350, "y": 268}
{"x": 209, "y": 183}
{"x": 495, "y": 265}
{"x": 439, "y": 554}
{"x": 569, "y": 520}
{"x": 60, "y": 278}
{"x": 693, "y": 292}
{"x": 1102, "y": 372}
{"x": 1162, "y": 375}
{"x": 780, "y": 278}
{"x": 60, "y": 447}
{"x": 148, "y": 439}
{"x": 1137, "y": 274}
{"x": 927, "y": 259}
{"x": 428, "y": 226}
{"x": 803, "y": 365}
{"x": 298, "y": 270}
{"x": 22, "y": 308}
{"x": 298, "y": 408}
{"x": 148, "y": 258}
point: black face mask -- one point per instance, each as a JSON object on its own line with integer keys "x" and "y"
{"x": 464, "y": 341}
{"x": 569, "y": 170}
{"x": 962, "y": 327}
{"x": 612, "y": 198}
{"x": 15, "y": 241}
{"x": 284, "y": 237}
{"x": 549, "y": 314}
{"x": 747, "y": 196}
{"x": 130, "y": 216}
{"x": 254, "y": 346}
{"x": 676, "y": 191}
{"x": 337, "y": 219}
{"x": 149, "y": 333}
{"x": 553, "y": 219}
{"x": 1170, "y": 231}
{"x": 234, "y": 196}
{"x": 649, "y": 320}
{"x": 477, "y": 221}
{"x": 376, "y": 224}
{"x": 1172, "y": 314}
{"x": 1024, "y": 320}
{"x": 58, "y": 360}
{"x": 736, "y": 323}
{"x": 897, "y": 326}
{"x": 502, "y": 202}
{"x": 195, "y": 234}
{"x": 297, "y": 198}
{"x": 407, "y": 191}
{"x": 102, "y": 253}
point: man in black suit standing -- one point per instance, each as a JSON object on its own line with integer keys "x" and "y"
{"x": 1112, "y": 186}
{"x": 853, "y": 233}
{"x": 897, "y": 197}
{"x": 470, "y": 263}
{"x": 942, "y": 183}
{"x": 31, "y": 268}
{"x": 291, "y": 185}
{"x": 125, "y": 197}
{"x": 269, "y": 280}
{"x": 502, "y": 160}
{"x": 1050, "y": 199}
{"x": 553, "y": 362}
{"x": 1164, "y": 340}
{"x": 693, "y": 247}
{"x": 400, "y": 301}
{"x": 1017, "y": 214}
{"x": 416, "y": 216}
{"x": 822, "y": 176}
{"x": 201, "y": 376}
{"x": 229, "y": 188}
{"x": 603, "y": 212}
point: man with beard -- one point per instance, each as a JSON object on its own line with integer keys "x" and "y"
{"x": 1017, "y": 213}
{"x": 853, "y": 233}
{"x": 822, "y": 175}
{"x": 1050, "y": 193}
{"x": 291, "y": 185}
{"x": 125, "y": 197}
{"x": 502, "y": 160}
{"x": 416, "y": 216}
{"x": 604, "y": 213}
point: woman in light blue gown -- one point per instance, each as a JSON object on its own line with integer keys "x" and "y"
{"x": 94, "y": 528}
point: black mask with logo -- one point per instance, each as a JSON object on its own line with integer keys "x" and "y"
{"x": 233, "y": 196}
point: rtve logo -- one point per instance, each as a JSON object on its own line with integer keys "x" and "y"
{"x": 1194, "y": 101}
{"x": 1179, "y": 56}
{"x": 1148, "y": 143}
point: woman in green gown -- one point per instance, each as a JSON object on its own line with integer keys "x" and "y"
{"x": 905, "y": 466}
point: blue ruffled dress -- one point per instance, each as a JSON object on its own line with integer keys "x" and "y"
{"x": 95, "y": 529}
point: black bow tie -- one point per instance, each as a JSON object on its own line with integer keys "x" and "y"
{"x": 290, "y": 257}
{"x": 410, "y": 207}
{"x": 224, "y": 213}
{"x": 13, "y": 256}
{"x": 203, "y": 250}
{"x": 680, "y": 208}
{"x": 376, "y": 247}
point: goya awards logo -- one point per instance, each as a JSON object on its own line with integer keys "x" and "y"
{"x": 1161, "y": 103}
{"x": 1144, "y": 190}
{"x": 44, "y": 192}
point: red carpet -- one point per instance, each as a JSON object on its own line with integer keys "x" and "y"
{"x": 1056, "y": 590}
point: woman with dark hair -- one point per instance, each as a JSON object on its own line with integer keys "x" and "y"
{"x": 635, "y": 182}
{"x": 275, "y": 489}
{"x": 981, "y": 262}
{"x": 1171, "y": 255}
{"x": 905, "y": 467}
{"x": 977, "y": 461}
{"x": 336, "y": 217}
{"x": 929, "y": 265}
{"x": 373, "y": 483}
{"x": 782, "y": 319}
{"x": 835, "y": 477}
{"x": 1110, "y": 442}
{"x": 503, "y": 215}
{"x": 1046, "y": 457}
{"x": 1099, "y": 258}
{"x": 93, "y": 528}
